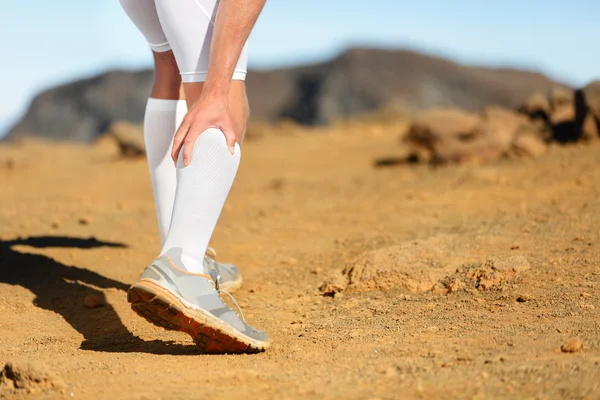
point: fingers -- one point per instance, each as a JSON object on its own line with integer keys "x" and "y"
{"x": 188, "y": 146}
{"x": 231, "y": 139}
{"x": 178, "y": 139}
{"x": 186, "y": 135}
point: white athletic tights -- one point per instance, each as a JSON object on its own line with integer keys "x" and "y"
{"x": 184, "y": 26}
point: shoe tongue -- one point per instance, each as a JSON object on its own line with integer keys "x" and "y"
{"x": 175, "y": 254}
{"x": 184, "y": 261}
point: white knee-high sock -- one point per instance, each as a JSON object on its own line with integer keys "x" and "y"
{"x": 162, "y": 119}
{"x": 202, "y": 188}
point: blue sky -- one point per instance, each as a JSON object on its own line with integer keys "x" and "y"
{"x": 50, "y": 42}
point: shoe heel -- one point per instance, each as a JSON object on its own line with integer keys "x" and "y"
{"x": 154, "y": 306}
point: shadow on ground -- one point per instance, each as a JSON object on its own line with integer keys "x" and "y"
{"x": 62, "y": 289}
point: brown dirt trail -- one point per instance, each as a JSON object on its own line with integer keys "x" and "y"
{"x": 76, "y": 221}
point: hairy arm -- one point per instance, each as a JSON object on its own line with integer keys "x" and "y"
{"x": 235, "y": 19}
{"x": 233, "y": 24}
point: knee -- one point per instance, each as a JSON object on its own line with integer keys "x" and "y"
{"x": 167, "y": 80}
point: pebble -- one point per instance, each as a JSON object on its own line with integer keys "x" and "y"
{"x": 85, "y": 220}
{"x": 572, "y": 345}
{"x": 289, "y": 261}
{"x": 524, "y": 297}
{"x": 93, "y": 301}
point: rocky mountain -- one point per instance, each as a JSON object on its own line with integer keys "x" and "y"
{"x": 356, "y": 81}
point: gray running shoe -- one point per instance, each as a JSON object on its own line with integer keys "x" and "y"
{"x": 226, "y": 276}
{"x": 174, "y": 299}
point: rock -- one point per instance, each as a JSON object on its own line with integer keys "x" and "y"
{"x": 476, "y": 151}
{"x": 572, "y": 345}
{"x": 525, "y": 297}
{"x": 333, "y": 286}
{"x": 501, "y": 125}
{"x": 289, "y": 261}
{"x": 493, "y": 274}
{"x": 434, "y": 129}
{"x": 512, "y": 263}
{"x": 443, "y": 135}
{"x": 528, "y": 144}
{"x": 85, "y": 220}
{"x": 93, "y": 301}
{"x": 129, "y": 137}
{"x": 561, "y": 96}
{"x": 591, "y": 128}
{"x": 413, "y": 266}
{"x": 591, "y": 94}
{"x": 537, "y": 106}
{"x": 29, "y": 376}
{"x": 457, "y": 136}
{"x": 564, "y": 113}
{"x": 442, "y": 123}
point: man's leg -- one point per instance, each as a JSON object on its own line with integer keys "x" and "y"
{"x": 203, "y": 186}
{"x": 164, "y": 112}
{"x": 177, "y": 290}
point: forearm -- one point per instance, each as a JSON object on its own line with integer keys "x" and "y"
{"x": 234, "y": 21}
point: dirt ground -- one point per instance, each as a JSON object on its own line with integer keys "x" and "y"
{"x": 77, "y": 221}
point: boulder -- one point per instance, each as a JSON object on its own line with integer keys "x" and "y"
{"x": 591, "y": 128}
{"x": 433, "y": 133}
{"x": 475, "y": 151}
{"x": 528, "y": 144}
{"x": 413, "y": 266}
{"x": 443, "y": 123}
{"x": 32, "y": 377}
{"x": 455, "y": 136}
{"x": 560, "y": 96}
{"x": 536, "y": 106}
{"x": 563, "y": 113}
{"x": 129, "y": 137}
{"x": 493, "y": 274}
{"x": 591, "y": 93}
{"x": 501, "y": 125}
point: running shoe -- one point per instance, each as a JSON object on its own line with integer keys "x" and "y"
{"x": 172, "y": 298}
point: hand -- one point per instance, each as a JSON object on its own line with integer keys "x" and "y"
{"x": 208, "y": 112}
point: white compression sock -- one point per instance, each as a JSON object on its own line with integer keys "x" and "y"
{"x": 202, "y": 188}
{"x": 162, "y": 119}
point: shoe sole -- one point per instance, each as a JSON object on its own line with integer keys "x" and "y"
{"x": 160, "y": 307}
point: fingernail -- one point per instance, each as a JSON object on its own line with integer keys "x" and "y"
{"x": 231, "y": 149}
{"x": 186, "y": 162}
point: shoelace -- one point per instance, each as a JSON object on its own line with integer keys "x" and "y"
{"x": 210, "y": 253}
{"x": 219, "y": 290}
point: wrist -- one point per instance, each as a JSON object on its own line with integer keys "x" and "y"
{"x": 216, "y": 88}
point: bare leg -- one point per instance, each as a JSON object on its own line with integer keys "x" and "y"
{"x": 167, "y": 81}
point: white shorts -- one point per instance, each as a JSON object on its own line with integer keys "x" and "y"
{"x": 184, "y": 26}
